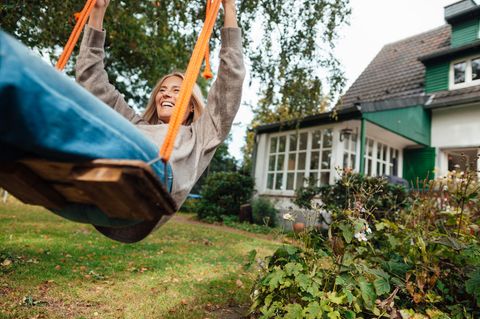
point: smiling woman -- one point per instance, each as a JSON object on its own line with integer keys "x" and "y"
{"x": 203, "y": 129}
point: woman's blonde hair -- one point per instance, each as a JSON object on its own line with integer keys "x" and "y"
{"x": 196, "y": 102}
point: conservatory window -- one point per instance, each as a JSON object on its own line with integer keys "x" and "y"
{"x": 380, "y": 159}
{"x": 350, "y": 151}
{"x": 295, "y": 157}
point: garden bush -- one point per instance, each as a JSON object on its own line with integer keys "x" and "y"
{"x": 222, "y": 194}
{"x": 264, "y": 212}
{"x": 376, "y": 194}
{"x": 421, "y": 260}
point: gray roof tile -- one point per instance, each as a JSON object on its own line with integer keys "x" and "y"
{"x": 396, "y": 71}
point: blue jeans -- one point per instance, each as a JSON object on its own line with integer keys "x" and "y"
{"x": 45, "y": 114}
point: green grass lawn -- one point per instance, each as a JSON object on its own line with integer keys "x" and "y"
{"x": 53, "y": 268}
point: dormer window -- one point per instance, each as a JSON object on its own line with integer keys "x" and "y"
{"x": 459, "y": 72}
{"x": 465, "y": 72}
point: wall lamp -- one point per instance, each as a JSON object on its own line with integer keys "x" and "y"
{"x": 345, "y": 133}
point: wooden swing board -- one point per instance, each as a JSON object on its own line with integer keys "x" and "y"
{"x": 127, "y": 189}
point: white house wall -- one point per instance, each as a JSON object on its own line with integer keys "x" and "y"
{"x": 454, "y": 128}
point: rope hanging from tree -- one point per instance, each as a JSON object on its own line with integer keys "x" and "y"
{"x": 200, "y": 52}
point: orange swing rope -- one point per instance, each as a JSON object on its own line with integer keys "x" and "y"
{"x": 200, "y": 51}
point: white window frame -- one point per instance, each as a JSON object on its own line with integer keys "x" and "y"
{"x": 309, "y": 131}
{"x": 347, "y": 150}
{"x": 468, "y": 73}
{"x": 387, "y": 163}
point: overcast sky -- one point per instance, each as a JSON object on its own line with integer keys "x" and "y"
{"x": 373, "y": 24}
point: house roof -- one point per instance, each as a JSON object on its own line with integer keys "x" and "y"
{"x": 396, "y": 72}
{"x": 313, "y": 120}
{"x": 448, "y": 52}
{"x": 454, "y": 97}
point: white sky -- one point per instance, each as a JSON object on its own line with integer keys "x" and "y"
{"x": 373, "y": 24}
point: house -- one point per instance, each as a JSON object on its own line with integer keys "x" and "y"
{"x": 413, "y": 113}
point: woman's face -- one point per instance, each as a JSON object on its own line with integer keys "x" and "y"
{"x": 166, "y": 97}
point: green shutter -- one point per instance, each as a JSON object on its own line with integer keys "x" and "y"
{"x": 436, "y": 77}
{"x": 464, "y": 32}
{"x": 418, "y": 164}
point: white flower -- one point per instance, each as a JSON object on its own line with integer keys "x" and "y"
{"x": 361, "y": 236}
{"x": 445, "y": 188}
{"x": 288, "y": 217}
{"x": 368, "y": 230}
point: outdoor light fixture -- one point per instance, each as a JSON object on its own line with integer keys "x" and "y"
{"x": 345, "y": 133}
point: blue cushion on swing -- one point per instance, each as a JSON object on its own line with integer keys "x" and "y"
{"x": 45, "y": 114}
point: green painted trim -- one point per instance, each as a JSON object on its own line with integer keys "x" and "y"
{"x": 413, "y": 123}
{"x": 363, "y": 137}
{"x": 437, "y": 76}
{"x": 465, "y": 32}
{"x": 419, "y": 165}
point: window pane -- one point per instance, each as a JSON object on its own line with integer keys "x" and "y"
{"x": 270, "y": 181}
{"x": 316, "y": 139}
{"x": 273, "y": 145}
{"x": 290, "y": 179}
{"x": 293, "y": 142}
{"x": 459, "y": 72}
{"x": 353, "y": 144}
{"x": 345, "y": 160}
{"x": 327, "y": 139}
{"x": 291, "y": 162}
{"x": 384, "y": 152}
{"x": 379, "y": 150}
{"x": 315, "y": 159}
{"x": 326, "y": 159}
{"x": 303, "y": 141}
{"x": 279, "y": 181}
{"x": 300, "y": 180}
{"x": 352, "y": 161}
{"x": 476, "y": 69}
{"x": 302, "y": 157}
{"x": 271, "y": 163}
{"x": 324, "y": 178}
{"x": 280, "y": 162}
{"x": 379, "y": 172}
{"x": 369, "y": 167}
{"x": 281, "y": 143}
{"x": 370, "y": 147}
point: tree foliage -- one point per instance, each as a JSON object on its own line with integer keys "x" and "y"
{"x": 148, "y": 38}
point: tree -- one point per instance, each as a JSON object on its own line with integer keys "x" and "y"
{"x": 147, "y": 38}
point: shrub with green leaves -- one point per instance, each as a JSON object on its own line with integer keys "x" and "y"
{"x": 222, "y": 194}
{"x": 420, "y": 261}
{"x": 264, "y": 212}
{"x": 375, "y": 193}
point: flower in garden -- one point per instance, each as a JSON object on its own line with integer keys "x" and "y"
{"x": 368, "y": 230}
{"x": 288, "y": 217}
{"x": 361, "y": 236}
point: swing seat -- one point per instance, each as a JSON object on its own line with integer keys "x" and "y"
{"x": 122, "y": 189}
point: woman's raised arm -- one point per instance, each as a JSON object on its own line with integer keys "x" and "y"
{"x": 98, "y": 13}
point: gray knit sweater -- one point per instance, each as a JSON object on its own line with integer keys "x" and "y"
{"x": 195, "y": 144}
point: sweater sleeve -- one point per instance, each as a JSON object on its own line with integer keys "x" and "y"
{"x": 90, "y": 73}
{"x": 225, "y": 95}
